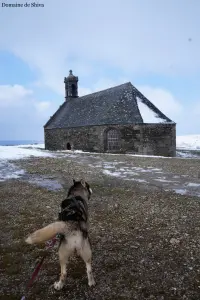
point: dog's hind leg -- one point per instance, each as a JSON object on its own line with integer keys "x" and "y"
{"x": 86, "y": 255}
{"x": 64, "y": 253}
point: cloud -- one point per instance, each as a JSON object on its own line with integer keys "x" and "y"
{"x": 84, "y": 91}
{"x": 42, "y": 106}
{"x": 139, "y": 37}
{"x": 13, "y": 94}
{"x": 185, "y": 116}
{"x": 105, "y": 83}
{"x": 101, "y": 84}
{"x": 163, "y": 100}
{"x": 94, "y": 38}
{"x": 196, "y": 109}
{"x": 21, "y": 115}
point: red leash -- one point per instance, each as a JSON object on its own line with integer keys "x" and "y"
{"x": 49, "y": 244}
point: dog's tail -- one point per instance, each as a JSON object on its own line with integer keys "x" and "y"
{"x": 47, "y": 233}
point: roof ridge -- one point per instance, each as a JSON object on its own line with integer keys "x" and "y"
{"x": 104, "y": 109}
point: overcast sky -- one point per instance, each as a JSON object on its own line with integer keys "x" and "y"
{"x": 155, "y": 44}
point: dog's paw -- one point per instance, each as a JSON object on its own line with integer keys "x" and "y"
{"x": 91, "y": 282}
{"x": 58, "y": 285}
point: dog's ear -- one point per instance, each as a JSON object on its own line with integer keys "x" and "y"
{"x": 83, "y": 183}
{"x": 74, "y": 180}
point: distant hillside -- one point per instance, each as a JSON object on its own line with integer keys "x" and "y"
{"x": 189, "y": 142}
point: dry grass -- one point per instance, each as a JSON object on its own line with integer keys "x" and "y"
{"x": 130, "y": 228}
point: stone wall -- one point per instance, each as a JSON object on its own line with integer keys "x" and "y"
{"x": 149, "y": 139}
{"x": 158, "y": 139}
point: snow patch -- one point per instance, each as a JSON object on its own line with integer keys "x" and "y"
{"x": 187, "y": 154}
{"x": 180, "y": 191}
{"x": 107, "y": 166}
{"x": 164, "y": 180}
{"x": 193, "y": 184}
{"x": 107, "y": 172}
{"x": 39, "y": 146}
{"x": 141, "y": 180}
{"x": 154, "y": 169}
{"x": 188, "y": 142}
{"x": 7, "y": 169}
{"x": 154, "y": 156}
{"x": 16, "y": 152}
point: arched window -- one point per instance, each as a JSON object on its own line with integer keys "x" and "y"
{"x": 113, "y": 140}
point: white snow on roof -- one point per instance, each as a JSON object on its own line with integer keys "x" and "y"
{"x": 148, "y": 115}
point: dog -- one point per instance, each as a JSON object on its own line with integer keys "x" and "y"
{"x": 72, "y": 227}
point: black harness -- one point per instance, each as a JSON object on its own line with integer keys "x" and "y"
{"x": 73, "y": 209}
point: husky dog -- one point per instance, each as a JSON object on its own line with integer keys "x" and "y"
{"x": 73, "y": 230}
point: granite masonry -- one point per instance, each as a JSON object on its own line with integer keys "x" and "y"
{"x": 117, "y": 120}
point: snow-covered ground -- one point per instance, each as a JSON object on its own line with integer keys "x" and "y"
{"x": 141, "y": 175}
{"x": 22, "y": 151}
{"x": 31, "y": 146}
{"x": 7, "y": 153}
{"x": 188, "y": 142}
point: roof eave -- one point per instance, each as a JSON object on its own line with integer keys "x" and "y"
{"x": 54, "y": 115}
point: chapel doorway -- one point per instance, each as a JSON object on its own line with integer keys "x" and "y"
{"x": 69, "y": 146}
{"x": 113, "y": 140}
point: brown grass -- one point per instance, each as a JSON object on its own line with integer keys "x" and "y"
{"x": 130, "y": 229}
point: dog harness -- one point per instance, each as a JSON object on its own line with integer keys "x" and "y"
{"x": 74, "y": 210}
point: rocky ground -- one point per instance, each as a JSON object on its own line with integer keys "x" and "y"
{"x": 145, "y": 235}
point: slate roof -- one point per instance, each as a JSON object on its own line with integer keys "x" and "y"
{"x": 116, "y": 105}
